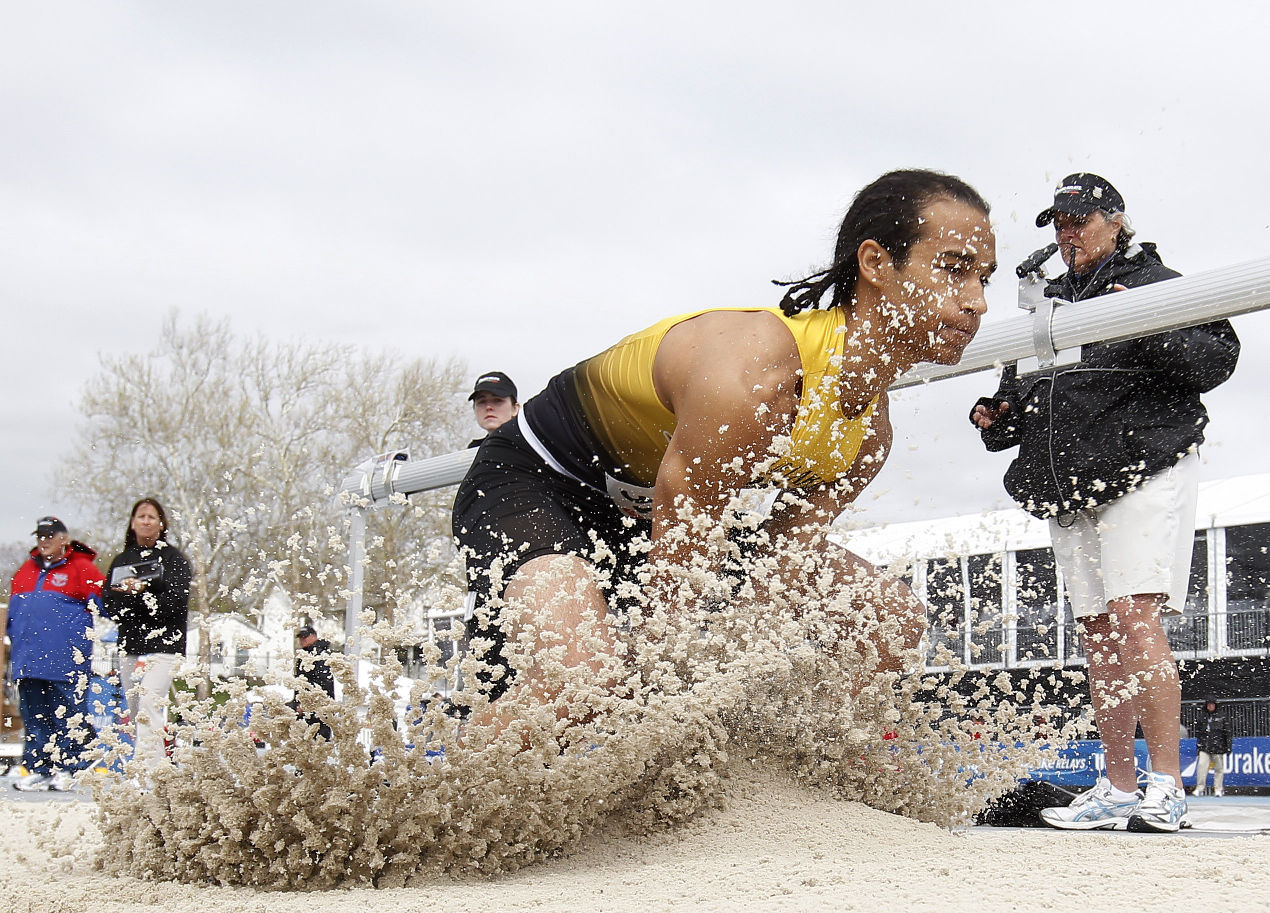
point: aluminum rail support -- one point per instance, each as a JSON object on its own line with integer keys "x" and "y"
{"x": 377, "y": 483}
{"x": 356, "y": 586}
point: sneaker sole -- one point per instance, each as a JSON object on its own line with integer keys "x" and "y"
{"x": 1111, "y": 824}
{"x": 1140, "y": 825}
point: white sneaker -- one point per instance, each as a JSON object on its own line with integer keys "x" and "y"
{"x": 62, "y": 781}
{"x": 1093, "y": 809}
{"x": 1162, "y": 809}
{"x": 33, "y": 783}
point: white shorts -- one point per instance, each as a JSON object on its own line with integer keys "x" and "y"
{"x": 1138, "y": 544}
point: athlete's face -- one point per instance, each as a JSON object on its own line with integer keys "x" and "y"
{"x": 936, "y": 297}
{"x": 493, "y": 411}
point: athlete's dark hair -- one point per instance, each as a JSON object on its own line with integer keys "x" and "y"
{"x": 130, "y": 538}
{"x": 887, "y": 211}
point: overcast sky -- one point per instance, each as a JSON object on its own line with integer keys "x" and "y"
{"x": 523, "y": 183}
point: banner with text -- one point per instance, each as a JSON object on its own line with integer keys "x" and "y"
{"x": 1081, "y": 763}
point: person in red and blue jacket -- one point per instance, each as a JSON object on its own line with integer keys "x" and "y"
{"x": 53, "y": 599}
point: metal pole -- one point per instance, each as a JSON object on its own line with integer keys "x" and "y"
{"x": 356, "y": 582}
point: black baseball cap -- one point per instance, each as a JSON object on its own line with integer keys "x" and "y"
{"x": 306, "y": 631}
{"x": 48, "y": 526}
{"x": 1079, "y": 195}
{"x": 495, "y": 382}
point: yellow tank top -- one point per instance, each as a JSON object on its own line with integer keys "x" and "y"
{"x": 615, "y": 392}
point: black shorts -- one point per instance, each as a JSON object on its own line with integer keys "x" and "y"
{"x": 512, "y": 507}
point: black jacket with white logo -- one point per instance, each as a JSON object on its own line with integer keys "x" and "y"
{"x": 1090, "y": 431}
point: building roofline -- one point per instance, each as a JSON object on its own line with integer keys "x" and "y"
{"x": 1234, "y": 501}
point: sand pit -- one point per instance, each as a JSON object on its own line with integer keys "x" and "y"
{"x": 772, "y": 845}
{"x": 764, "y": 756}
{"x": 636, "y": 748}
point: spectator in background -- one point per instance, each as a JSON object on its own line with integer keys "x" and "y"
{"x": 148, "y": 596}
{"x": 494, "y": 402}
{"x": 311, "y": 667}
{"x": 53, "y": 597}
{"x": 1213, "y": 741}
{"x": 1108, "y": 453}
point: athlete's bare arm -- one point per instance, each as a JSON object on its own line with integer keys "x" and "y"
{"x": 733, "y": 386}
{"x": 731, "y": 378}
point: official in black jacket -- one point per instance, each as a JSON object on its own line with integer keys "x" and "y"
{"x": 311, "y": 666}
{"x": 1108, "y": 454}
{"x": 1213, "y": 741}
{"x": 494, "y": 402}
{"x": 147, "y": 593}
{"x": 1090, "y": 431}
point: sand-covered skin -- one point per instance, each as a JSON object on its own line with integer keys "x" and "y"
{"x": 772, "y": 845}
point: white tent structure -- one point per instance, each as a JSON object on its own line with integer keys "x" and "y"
{"x": 260, "y": 646}
{"x": 998, "y": 598}
{"x": 1222, "y": 502}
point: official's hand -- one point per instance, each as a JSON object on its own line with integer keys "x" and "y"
{"x": 130, "y": 585}
{"x": 984, "y": 417}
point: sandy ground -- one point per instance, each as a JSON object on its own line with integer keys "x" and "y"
{"x": 772, "y": 846}
{"x": 673, "y": 791}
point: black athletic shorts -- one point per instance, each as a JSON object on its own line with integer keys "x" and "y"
{"x": 513, "y": 506}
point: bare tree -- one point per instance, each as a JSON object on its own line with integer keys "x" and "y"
{"x": 12, "y": 556}
{"x": 243, "y": 439}
{"x": 397, "y": 419}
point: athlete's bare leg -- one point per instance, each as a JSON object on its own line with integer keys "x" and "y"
{"x": 560, "y": 604}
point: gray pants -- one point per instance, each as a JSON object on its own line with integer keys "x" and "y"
{"x": 146, "y": 681}
{"x": 1218, "y": 762}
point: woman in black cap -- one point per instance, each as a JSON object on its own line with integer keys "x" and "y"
{"x": 494, "y": 402}
{"x": 1108, "y": 454}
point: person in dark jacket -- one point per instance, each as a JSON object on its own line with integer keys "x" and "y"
{"x": 1108, "y": 454}
{"x": 148, "y": 596}
{"x": 53, "y": 597}
{"x": 1213, "y": 742}
{"x": 312, "y": 667}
